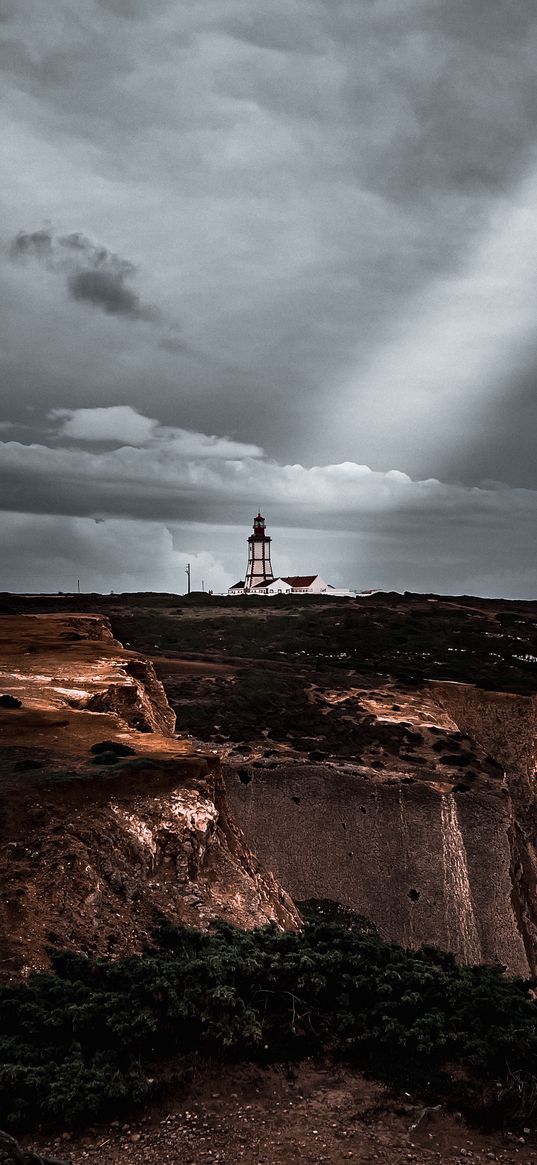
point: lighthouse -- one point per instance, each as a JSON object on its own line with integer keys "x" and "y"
{"x": 260, "y": 579}
{"x": 259, "y": 569}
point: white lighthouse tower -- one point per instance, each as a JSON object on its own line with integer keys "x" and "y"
{"x": 260, "y": 579}
{"x": 259, "y": 569}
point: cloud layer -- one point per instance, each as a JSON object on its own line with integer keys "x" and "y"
{"x": 112, "y": 474}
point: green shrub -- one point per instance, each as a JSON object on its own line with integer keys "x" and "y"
{"x": 79, "y": 1044}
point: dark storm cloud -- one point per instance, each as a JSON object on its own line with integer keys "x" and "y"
{"x": 106, "y": 289}
{"x": 93, "y": 273}
{"x": 315, "y": 166}
{"x": 341, "y": 197}
{"x": 37, "y": 244}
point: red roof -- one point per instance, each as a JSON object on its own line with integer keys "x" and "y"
{"x": 301, "y": 580}
{"x": 237, "y": 585}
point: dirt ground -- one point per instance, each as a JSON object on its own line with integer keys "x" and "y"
{"x": 278, "y": 1116}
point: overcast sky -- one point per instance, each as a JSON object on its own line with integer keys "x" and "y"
{"x": 276, "y": 253}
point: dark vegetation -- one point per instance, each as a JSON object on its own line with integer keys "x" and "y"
{"x": 113, "y": 746}
{"x": 7, "y": 701}
{"x": 96, "y": 1038}
{"x": 110, "y": 752}
{"x": 293, "y": 705}
{"x": 410, "y": 640}
{"x": 486, "y": 641}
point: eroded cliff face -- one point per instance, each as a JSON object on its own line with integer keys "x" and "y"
{"x": 427, "y": 851}
{"x": 505, "y": 724}
{"x": 96, "y": 845}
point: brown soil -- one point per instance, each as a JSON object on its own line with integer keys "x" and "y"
{"x": 283, "y": 1115}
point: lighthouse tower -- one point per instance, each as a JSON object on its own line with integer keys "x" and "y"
{"x": 259, "y": 569}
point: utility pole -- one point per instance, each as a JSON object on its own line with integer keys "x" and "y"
{"x": 202, "y": 587}
{"x": 187, "y": 572}
{"x": 78, "y": 585}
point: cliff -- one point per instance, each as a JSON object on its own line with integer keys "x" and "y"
{"x": 434, "y": 845}
{"x": 407, "y": 799}
{"x": 108, "y": 820}
{"x": 505, "y": 724}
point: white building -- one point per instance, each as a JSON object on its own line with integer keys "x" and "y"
{"x": 260, "y": 579}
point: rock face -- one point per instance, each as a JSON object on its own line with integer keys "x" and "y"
{"x": 95, "y": 845}
{"x": 427, "y": 858}
{"x": 505, "y": 725}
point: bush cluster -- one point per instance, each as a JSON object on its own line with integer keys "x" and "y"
{"x": 82, "y": 1043}
{"x": 408, "y": 636}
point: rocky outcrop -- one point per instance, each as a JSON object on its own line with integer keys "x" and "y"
{"x": 92, "y": 863}
{"x": 73, "y": 662}
{"x": 109, "y": 822}
{"x": 138, "y": 699}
